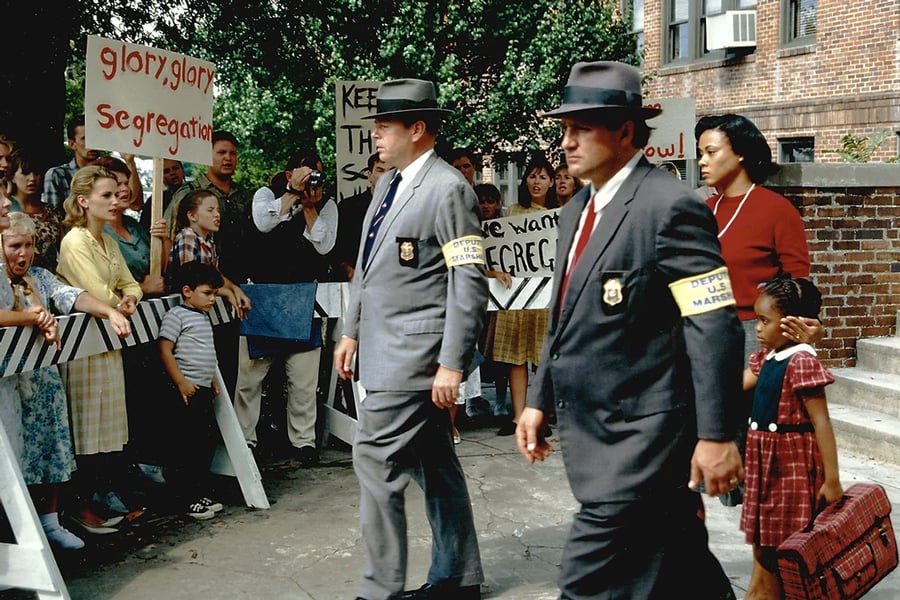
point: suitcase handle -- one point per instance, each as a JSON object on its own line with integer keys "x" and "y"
{"x": 833, "y": 507}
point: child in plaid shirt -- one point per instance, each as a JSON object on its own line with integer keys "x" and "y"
{"x": 197, "y": 220}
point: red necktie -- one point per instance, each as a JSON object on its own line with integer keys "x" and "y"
{"x": 584, "y": 235}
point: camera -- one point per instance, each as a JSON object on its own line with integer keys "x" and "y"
{"x": 315, "y": 180}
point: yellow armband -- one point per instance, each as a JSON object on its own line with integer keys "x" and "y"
{"x": 463, "y": 251}
{"x": 703, "y": 293}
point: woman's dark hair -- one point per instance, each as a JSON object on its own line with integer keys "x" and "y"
{"x": 538, "y": 162}
{"x": 795, "y": 297}
{"x": 746, "y": 141}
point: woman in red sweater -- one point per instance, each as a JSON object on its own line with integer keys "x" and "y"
{"x": 760, "y": 231}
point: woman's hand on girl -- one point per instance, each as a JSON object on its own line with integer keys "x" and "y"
{"x": 802, "y": 330}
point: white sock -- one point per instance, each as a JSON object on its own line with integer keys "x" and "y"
{"x": 50, "y": 520}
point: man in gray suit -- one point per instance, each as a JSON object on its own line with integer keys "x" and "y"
{"x": 642, "y": 354}
{"x": 417, "y": 304}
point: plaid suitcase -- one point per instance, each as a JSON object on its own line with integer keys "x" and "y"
{"x": 847, "y": 549}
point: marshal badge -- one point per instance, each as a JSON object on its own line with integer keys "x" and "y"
{"x": 613, "y": 294}
{"x": 409, "y": 252}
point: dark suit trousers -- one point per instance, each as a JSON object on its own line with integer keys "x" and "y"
{"x": 401, "y": 437}
{"x": 649, "y": 549}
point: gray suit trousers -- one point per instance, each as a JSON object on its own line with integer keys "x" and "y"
{"x": 402, "y": 436}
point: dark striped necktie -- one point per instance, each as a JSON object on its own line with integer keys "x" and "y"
{"x": 380, "y": 214}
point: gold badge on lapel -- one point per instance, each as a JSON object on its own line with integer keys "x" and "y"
{"x": 409, "y": 252}
{"x": 613, "y": 293}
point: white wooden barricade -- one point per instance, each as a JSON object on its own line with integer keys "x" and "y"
{"x": 28, "y": 563}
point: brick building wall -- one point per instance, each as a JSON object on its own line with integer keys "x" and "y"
{"x": 852, "y": 219}
{"x": 848, "y": 81}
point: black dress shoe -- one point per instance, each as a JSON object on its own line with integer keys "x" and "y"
{"x": 443, "y": 592}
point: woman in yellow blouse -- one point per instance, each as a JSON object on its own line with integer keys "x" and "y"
{"x": 91, "y": 260}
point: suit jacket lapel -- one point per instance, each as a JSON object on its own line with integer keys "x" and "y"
{"x": 400, "y": 201}
{"x": 611, "y": 220}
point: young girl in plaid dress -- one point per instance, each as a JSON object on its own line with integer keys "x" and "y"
{"x": 791, "y": 456}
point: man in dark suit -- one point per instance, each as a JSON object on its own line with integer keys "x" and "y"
{"x": 417, "y": 304}
{"x": 642, "y": 301}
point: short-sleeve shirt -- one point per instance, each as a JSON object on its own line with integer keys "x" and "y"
{"x": 192, "y": 333}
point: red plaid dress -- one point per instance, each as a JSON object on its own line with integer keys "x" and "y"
{"x": 784, "y": 471}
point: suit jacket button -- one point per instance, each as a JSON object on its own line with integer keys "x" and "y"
{"x": 560, "y": 404}
{"x": 555, "y": 356}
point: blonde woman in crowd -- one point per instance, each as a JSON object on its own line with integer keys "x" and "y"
{"x": 91, "y": 260}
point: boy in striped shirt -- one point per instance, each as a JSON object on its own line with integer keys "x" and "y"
{"x": 189, "y": 357}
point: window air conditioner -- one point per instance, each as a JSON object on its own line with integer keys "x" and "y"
{"x": 731, "y": 29}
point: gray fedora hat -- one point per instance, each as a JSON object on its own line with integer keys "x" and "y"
{"x": 406, "y": 97}
{"x": 603, "y": 85}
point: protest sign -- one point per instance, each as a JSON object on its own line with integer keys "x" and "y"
{"x": 353, "y": 139}
{"x": 672, "y": 136}
{"x": 150, "y": 102}
{"x": 523, "y": 245}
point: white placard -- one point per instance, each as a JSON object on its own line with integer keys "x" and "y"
{"x": 672, "y": 137}
{"x": 149, "y": 102}
{"x": 524, "y": 245}
{"x": 354, "y": 143}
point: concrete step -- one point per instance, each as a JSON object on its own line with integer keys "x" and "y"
{"x": 866, "y": 432}
{"x": 865, "y": 389}
{"x": 880, "y": 354}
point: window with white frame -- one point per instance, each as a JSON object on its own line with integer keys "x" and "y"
{"x": 636, "y": 12}
{"x": 685, "y": 26}
{"x": 798, "y": 21}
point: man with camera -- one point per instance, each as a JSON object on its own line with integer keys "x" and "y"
{"x": 295, "y": 228}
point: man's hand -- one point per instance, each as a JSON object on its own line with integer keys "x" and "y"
{"x": 529, "y": 435}
{"x": 718, "y": 464}
{"x": 445, "y": 389}
{"x": 343, "y": 357}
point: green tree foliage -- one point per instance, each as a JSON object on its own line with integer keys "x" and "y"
{"x": 497, "y": 64}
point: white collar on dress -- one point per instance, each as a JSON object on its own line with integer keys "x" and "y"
{"x": 788, "y": 352}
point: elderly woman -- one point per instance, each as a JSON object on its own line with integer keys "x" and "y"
{"x": 48, "y": 458}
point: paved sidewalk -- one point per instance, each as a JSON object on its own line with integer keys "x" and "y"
{"x": 307, "y": 546}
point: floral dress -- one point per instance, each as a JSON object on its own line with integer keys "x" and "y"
{"x": 784, "y": 469}
{"x": 10, "y": 405}
{"x": 48, "y": 456}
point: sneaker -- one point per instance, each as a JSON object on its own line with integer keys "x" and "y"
{"x": 112, "y": 502}
{"x": 152, "y": 472}
{"x": 61, "y": 538}
{"x": 211, "y": 504}
{"x": 199, "y": 512}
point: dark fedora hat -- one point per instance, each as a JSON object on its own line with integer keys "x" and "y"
{"x": 603, "y": 85}
{"x": 406, "y": 97}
